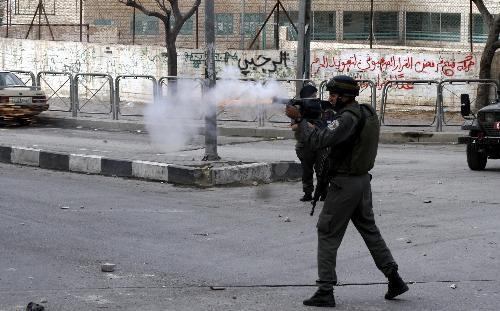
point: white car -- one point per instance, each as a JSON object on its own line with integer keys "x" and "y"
{"x": 19, "y": 102}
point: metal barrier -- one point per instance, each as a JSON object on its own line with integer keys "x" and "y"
{"x": 383, "y": 101}
{"x": 373, "y": 88}
{"x": 162, "y": 80}
{"x": 117, "y": 92}
{"x": 440, "y": 98}
{"x": 30, "y": 74}
{"x": 40, "y": 76}
{"x": 78, "y": 106}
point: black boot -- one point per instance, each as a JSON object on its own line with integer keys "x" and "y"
{"x": 307, "y": 197}
{"x": 396, "y": 285}
{"x": 321, "y": 298}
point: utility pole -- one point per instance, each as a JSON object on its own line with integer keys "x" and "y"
{"x": 303, "y": 43}
{"x": 211, "y": 111}
{"x": 81, "y": 20}
{"x": 371, "y": 24}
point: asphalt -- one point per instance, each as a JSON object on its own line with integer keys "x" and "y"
{"x": 172, "y": 244}
{"x": 95, "y": 144}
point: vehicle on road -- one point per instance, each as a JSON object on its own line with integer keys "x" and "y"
{"x": 483, "y": 141}
{"x": 19, "y": 102}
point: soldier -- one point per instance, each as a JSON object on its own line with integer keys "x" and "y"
{"x": 307, "y": 156}
{"x": 353, "y": 138}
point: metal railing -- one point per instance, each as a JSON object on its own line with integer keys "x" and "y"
{"x": 164, "y": 81}
{"x": 56, "y": 89}
{"x": 117, "y": 92}
{"x": 440, "y": 98}
{"x": 30, "y": 74}
{"x": 109, "y": 80}
{"x": 71, "y": 85}
{"x": 383, "y": 100}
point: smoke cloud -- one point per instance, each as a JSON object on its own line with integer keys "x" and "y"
{"x": 173, "y": 121}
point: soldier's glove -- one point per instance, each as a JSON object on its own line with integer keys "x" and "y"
{"x": 293, "y": 113}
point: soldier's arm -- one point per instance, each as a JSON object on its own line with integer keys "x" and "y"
{"x": 329, "y": 136}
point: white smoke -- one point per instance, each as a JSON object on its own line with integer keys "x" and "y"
{"x": 173, "y": 121}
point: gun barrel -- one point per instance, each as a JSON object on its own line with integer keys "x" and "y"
{"x": 281, "y": 100}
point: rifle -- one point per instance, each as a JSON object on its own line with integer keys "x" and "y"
{"x": 322, "y": 176}
{"x": 310, "y": 108}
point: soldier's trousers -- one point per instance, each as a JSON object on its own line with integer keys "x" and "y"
{"x": 349, "y": 198}
{"x": 307, "y": 159}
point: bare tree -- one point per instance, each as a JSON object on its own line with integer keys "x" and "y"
{"x": 492, "y": 44}
{"x": 165, "y": 9}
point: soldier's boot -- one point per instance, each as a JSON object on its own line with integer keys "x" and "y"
{"x": 321, "y": 298}
{"x": 396, "y": 285}
{"x": 307, "y": 197}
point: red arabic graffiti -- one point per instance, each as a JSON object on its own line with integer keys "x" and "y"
{"x": 393, "y": 65}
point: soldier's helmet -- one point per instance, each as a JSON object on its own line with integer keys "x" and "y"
{"x": 343, "y": 85}
{"x": 308, "y": 91}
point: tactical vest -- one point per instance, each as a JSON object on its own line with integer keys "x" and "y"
{"x": 356, "y": 156}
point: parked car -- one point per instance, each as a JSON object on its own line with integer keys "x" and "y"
{"x": 18, "y": 101}
{"x": 483, "y": 141}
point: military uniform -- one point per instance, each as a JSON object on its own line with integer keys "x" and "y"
{"x": 349, "y": 195}
{"x": 309, "y": 157}
{"x": 352, "y": 137}
{"x": 309, "y": 161}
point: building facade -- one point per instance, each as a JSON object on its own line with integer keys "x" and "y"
{"x": 433, "y": 23}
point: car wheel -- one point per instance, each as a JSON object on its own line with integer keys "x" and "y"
{"x": 475, "y": 159}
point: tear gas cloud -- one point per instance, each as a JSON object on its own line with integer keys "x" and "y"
{"x": 173, "y": 121}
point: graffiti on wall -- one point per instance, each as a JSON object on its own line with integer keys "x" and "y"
{"x": 263, "y": 63}
{"x": 381, "y": 68}
{"x": 249, "y": 65}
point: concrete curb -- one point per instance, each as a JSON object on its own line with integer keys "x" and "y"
{"x": 386, "y": 137}
{"x": 199, "y": 176}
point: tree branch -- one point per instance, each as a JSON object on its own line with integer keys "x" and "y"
{"x": 496, "y": 24}
{"x": 179, "y": 18}
{"x": 174, "y": 4}
{"x": 140, "y": 7}
{"x": 163, "y": 7}
{"x": 488, "y": 18}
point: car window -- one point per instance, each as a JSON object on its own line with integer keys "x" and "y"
{"x": 8, "y": 79}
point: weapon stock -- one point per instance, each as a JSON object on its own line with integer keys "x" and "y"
{"x": 323, "y": 180}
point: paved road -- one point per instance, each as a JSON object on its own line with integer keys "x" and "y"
{"x": 171, "y": 244}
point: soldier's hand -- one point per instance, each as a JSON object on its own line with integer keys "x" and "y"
{"x": 292, "y": 112}
{"x": 295, "y": 126}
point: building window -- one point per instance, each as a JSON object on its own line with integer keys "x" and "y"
{"x": 479, "y": 29}
{"x": 223, "y": 24}
{"x": 433, "y": 26}
{"x": 187, "y": 27}
{"x": 252, "y": 23}
{"x": 386, "y": 25}
{"x": 284, "y": 21}
{"x": 146, "y": 25}
{"x": 357, "y": 25}
{"x": 323, "y": 26}
{"x": 103, "y": 22}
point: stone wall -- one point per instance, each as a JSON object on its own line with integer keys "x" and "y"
{"x": 378, "y": 65}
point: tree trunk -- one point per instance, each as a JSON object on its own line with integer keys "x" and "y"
{"x": 172, "y": 58}
{"x": 483, "y": 92}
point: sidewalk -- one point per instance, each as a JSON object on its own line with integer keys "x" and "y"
{"x": 97, "y": 145}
